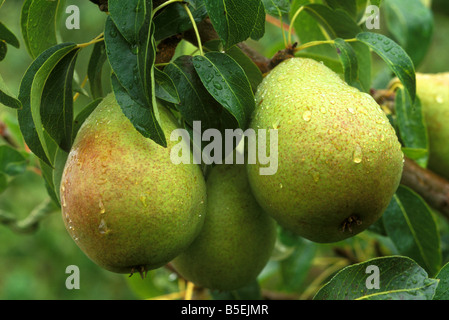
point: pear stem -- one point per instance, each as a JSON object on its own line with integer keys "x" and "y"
{"x": 163, "y": 6}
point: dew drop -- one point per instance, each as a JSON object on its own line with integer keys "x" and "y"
{"x": 280, "y": 185}
{"x": 357, "y": 156}
{"x": 143, "y": 199}
{"x": 101, "y": 206}
{"x": 103, "y": 227}
{"x": 351, "y": 110}
{"x": 382, "y": 138}
{"x": 217, "y": 86}
{"x": 307, "y": 115}
{"x": 323, "y": 110}
{"x": 135, "y": 49}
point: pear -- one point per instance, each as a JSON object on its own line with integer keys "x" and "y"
{"x": 126, "y": 205}
{"x": 433, "y": 91}
{"x": 237, "y": 238}
{"x": 339, "y": 159}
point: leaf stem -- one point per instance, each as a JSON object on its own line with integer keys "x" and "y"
{"x": 99, "y": 38}
{"x": 195, "y": 27}
{"x": 316, "y": 43}
{"x": 292, "y": 23}
{"x": 163, "y": 6}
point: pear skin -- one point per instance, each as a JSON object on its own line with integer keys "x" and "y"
{"x": 126, "y": 205}
{"x": 433, "y": 91}
{"x": 237, "y": 238}
{"x": 339, "y": 159}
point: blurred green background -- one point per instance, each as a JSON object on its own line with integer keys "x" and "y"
{"x": 32, "y": 266}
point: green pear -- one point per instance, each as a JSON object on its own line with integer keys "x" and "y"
{"x": 126, "y": 205}
{"x": 339, "y": 159}
{"x": 237, "y": 237}
{"x": 433, "y": 91}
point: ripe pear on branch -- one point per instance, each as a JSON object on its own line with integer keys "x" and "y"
{"x": 126, "y": 205}
{"x": 340, "y": 161}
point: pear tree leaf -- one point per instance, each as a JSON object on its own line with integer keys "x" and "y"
{"x": 196, "y": 103}
{"x": 7, "y": 36}
{"x": 398, "y": 278}
{"x": 412, "y": 228}
{"x": 236, "y": 21}
{"x": 307, "y": 29}
{"x": 30, "y": 93}
{"x": 140, "y": 116}
{"x": 164, "y": 87}
{"x": 7, "y": 99}
{"x": 412, "y": 127}
{"x": 338, "y": 24}
{"x": 350, "y": 64}
{"x": 128, "y": 16}
{"x": 56, "y": 106}
{"x": 12, "y": 162}
{"x": 226, "y": 81}
{"x": 3, "y": 50}
{"x": 350, "y": 6}
{"x": 276, "y": 8}
{"x": 251, "y": 70}
{"x": 60, "y": 160}
{"x": 38, "y": 23}
{"x": 122, "y": 57}
{"x": 394, "y": 56}
{"x": 442, "y": 292}
{"x": 411, "y": 24}
{"x": 94, "y": 69}
{"x": 174, "y": 19}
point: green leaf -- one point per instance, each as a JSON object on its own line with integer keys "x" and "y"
{"x": 3, "y": 50}
{"x": 29, "y": 115}
{"x": 141, "y": 117}
{"x": 338, "y": 23}
{"x": 394, "y": 56}
{"x": 128, "y": 16}
{"x": 411, "y": 24}
{"x": 251, "y": 70}
{"x": 12, "y": 162}
{"x": 412, "y": 127}
{"x": 174, "y": 19}
{"x": 442, "y": 292}
{"x": 122, "y": 57}
{"x": 56, "y": 106}
{"x": 38, "y": 22}
{"x": 400, "y": 278}
{"x": 196, "y": 103}
{"x": 94, "y": 69}
{"x": 227, "y": 83}
{"x": 7, "y": 36}
{"x": 37, "y": 96}
{"x": 165, "y": 88}
{"x": 307, "y": 29}
{"x": 83, "y": 115}
{"x": 6, "y": 97}
{"x": 236, "y": 21}
{"x": 350, "y": 64}
{"x": 60, "y": 160}
{"x": 3, "y": 182}
{"x": 410, "y": 225}
{"x": 276, "y": 8}
{"x": 295, "y": 268}
{"x": 350, "y": 6}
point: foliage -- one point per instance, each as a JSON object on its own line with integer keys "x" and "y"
{"x": 213, "y": 80}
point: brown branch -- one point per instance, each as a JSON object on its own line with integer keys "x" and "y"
{"x": 433, "y": 188}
